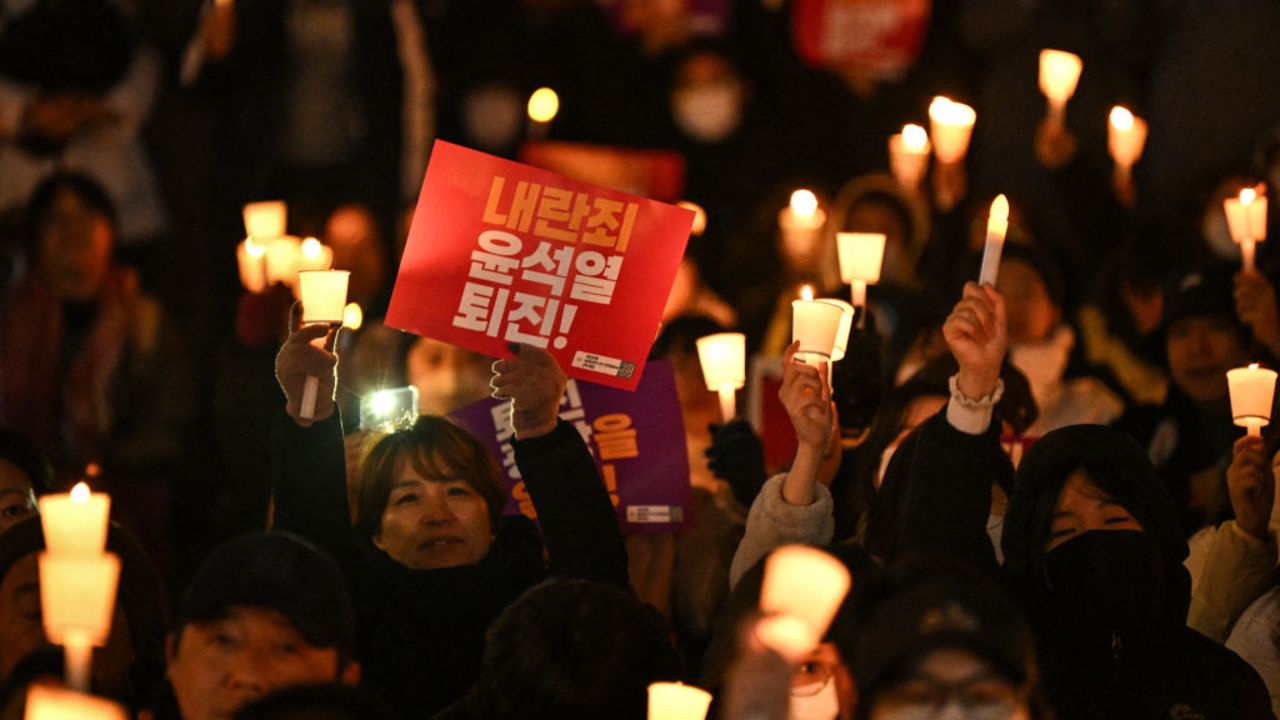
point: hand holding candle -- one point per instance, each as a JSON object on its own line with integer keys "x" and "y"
{"x": 1252, "y": 390}
{"x": 1126, "y": 137}
{"x": 997, "y": 226}
{"x": 724, "y": 368}
{"x": 324, "y": 300}
{"x": 951, "y": 126}
{"x": 1247, "y": 218}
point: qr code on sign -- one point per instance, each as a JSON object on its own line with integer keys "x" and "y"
{"x": 626, "y": 370}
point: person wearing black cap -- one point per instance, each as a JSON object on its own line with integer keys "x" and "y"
{"x": 1092, "y": 544}
{"x": 1189, "y": 436}
{"x": 935, "y": 639}
{"x": 265, "y": 611}
{"x": 431, "y": 561}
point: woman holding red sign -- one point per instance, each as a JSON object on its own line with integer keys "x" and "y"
{"x": 430, "y": 561}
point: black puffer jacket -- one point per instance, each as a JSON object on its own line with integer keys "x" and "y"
{"x": 1149, "y": 666}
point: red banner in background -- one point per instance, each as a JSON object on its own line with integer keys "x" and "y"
{"x": 658, "y": 174}
{"x": 501, "y": 252}
{"x": 879, "y": 37}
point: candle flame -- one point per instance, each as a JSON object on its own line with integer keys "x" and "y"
{"x": 946, "y": 111}
{"x": 311, "y": 247}
{"x": 914, "y": 137}
{"x": 806, "y": 292}
{"x": 804, "y": 202}
{"x": 253, "y": 248}
{"x": 80, "y": 493}
{"x": 1121, "y": 119}
{"x": 1253, "y": 366}
{"x": 1000, "y": 208}
{"x": 1247, "y": 196}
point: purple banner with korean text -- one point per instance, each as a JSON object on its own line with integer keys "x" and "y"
{"x": 636, "y": 438}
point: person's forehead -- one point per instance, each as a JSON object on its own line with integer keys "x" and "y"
{"x": 12, "y": 477}
{"x": 1080, "y": 490}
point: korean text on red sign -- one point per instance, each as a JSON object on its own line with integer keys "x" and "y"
{"x": 502, "y": 253}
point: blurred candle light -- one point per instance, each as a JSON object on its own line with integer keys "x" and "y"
{"x": 801, "y": 222}
{"x": 283, "y": 256}
{"x": 699, "y": 217}
{"x": 861, "y": 258}
{"x": 352, "y": 316}
{"x": 951, "y": 126}
{"x": 324, "y": 301}
{"x": 1126, "y": 137}
{"x": 815, "y": 325}
{"x": 1252, "y": 389}
{"x": 1059, "y": 75}
{"x": 45, "y": 702}
{"x": 1247, "y": 218}
{"x": 909, "y": 155}
{"x": 265, "y": 221}
{"x": 75, "y": 523}
{"x": 314, "y": 255}
{"x": 251, "y": 259}
{"x": 77, "y": 602}
{"x": 788, "y": 636}
{"x": 997, "y": 226}
{"x": 676, "y": 701}
{"x": 723, "y": 357}
{"x": 544, "y": 105}
{"x": 804, "y": 583}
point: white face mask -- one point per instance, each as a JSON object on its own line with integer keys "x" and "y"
{"x": 708, "y": 113}
{"x": 825, "y": 705}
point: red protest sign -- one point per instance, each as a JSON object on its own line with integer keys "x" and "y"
{"x": 501, "y": 252}
{"x": 880, "y": 37}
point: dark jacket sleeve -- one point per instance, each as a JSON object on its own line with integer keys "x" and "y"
{"x": 579, "y": 523}
{"x": 309, "y": 483}
{"x": 942, "y": 508}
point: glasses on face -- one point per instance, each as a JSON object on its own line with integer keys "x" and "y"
{"x": 810, "y": 678}
{"x": 925, "y": 698}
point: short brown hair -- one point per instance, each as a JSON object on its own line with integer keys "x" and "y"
{"x": 437, "y": 448}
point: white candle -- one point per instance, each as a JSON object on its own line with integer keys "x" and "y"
{"x": 1126, "y": 137}
{"x": 997, "y": 226}
{"x": 75, "y": 523}
{"x": 45, "y": 702}
{"x": 815, "y": 325}
{"x": 804, "y": 583}
{"x": 846, "y": 326}
{"x": 723, "y": 357}
{"x": 951, "y": 125}
{"x": 1251, "y": 389}
{"x": 861, "y": 258}
{"x": 265, "y": 221}
{"x": 676, "y": 701}
{"x": 252, "y": 261}
{"x": 788, "y": 636}
{"x": 1059, "y": 74}
{"x": 324, "y": 300}
{"x": 802, "y": 220}
{"x": 77, "y": 601}
{"x": 1247, "y": 218}
{"x": 909, "y": 155}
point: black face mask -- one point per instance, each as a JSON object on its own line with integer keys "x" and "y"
{"x": 1103, "y": 588}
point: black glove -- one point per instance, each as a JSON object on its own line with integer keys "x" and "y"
{"x": 736, "y": 456}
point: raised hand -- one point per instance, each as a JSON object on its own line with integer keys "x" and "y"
{"x": 807, "y": 397}
{"x": 977, "y": 333}
{"x": 308, "y": 353}
{"x": 535, "y": 384}
{"x": 1252, "y": 486}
